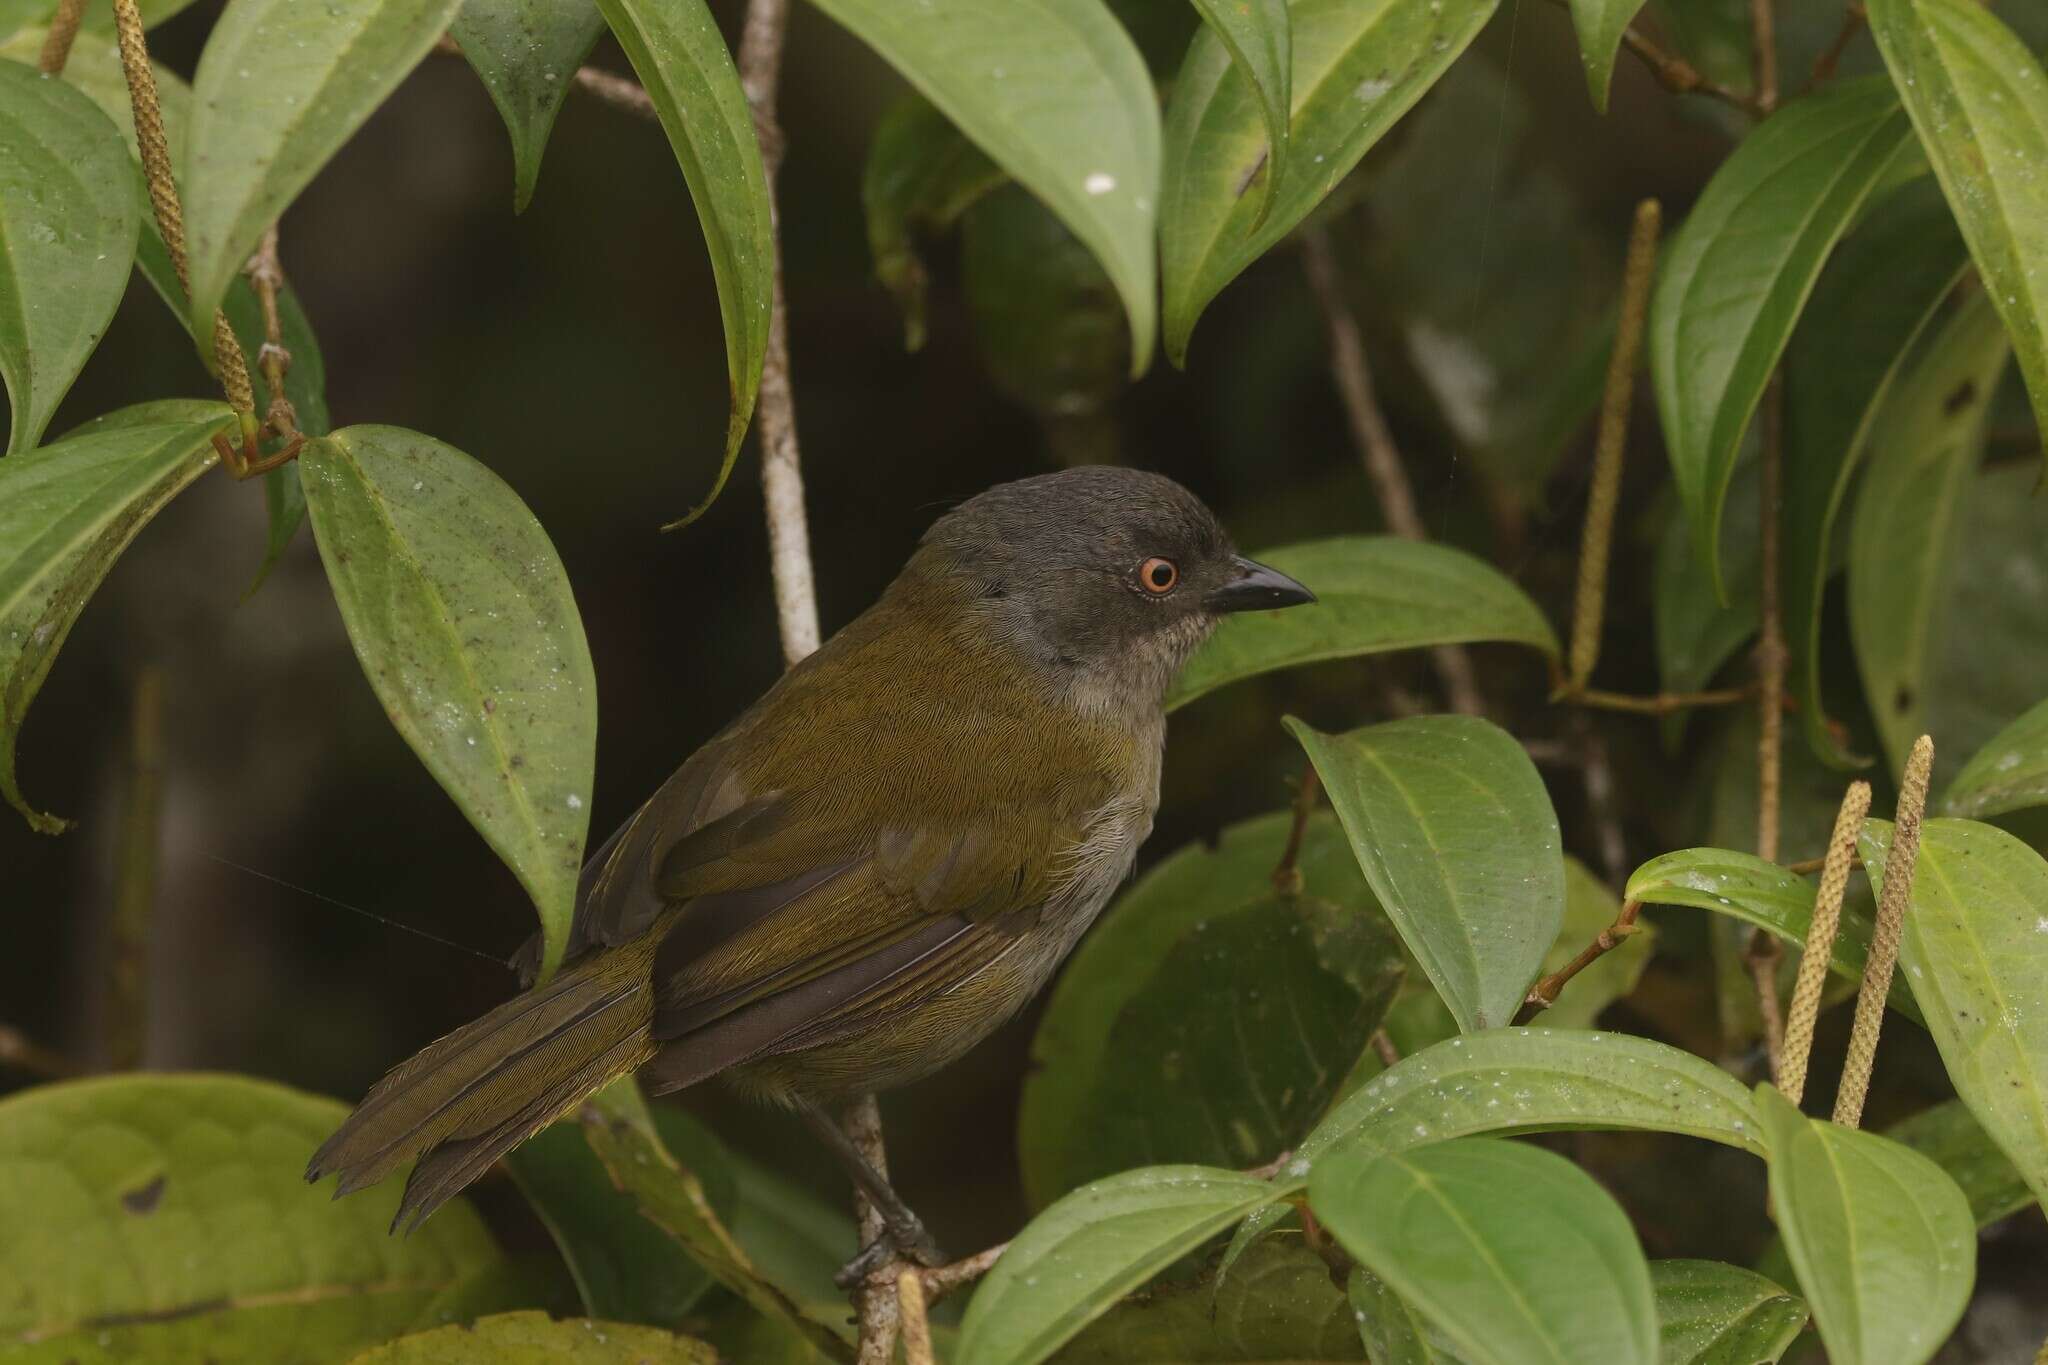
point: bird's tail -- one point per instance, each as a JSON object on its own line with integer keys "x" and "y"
{"x": 469, "y": 1098}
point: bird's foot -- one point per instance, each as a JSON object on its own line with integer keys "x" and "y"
{"x": 904, "y": 1238}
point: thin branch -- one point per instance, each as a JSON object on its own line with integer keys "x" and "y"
{"x": 1375, "y": 441}
{"x": 1590, "y": 607}
{"x": 1763, "y": 952}
{"x": 20, "y": 1052}
{"x": 1676, "y": 74}
{"x": 57, "y": 42}
{"x": 1287, "y": 876}
{"x": 135, "y": 876}
{"x": 1544, "y": 993}
{"x": 1803, "y": 866}
{"x": 917, "y": 1328}
{"x": 1820, "y": 940}
{"x": 1853, "y": 16}
{"x": 1383, "y": 1043}
{"x": 1892, "y": 900}
{"x": 1659, "y": 703}
{"x": 1763, "y": 31}
{"x": 875, "y": 1302}
{"x": 943, "y": 1280}
{"x": 618, "y": 91}
{"x": 274, "y": 360}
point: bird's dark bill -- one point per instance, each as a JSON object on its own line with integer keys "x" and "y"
{"x": 1258, "y": 587}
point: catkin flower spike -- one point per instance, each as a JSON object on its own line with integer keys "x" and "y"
{"x": 1820, "y": 939}
{"x": 1892, "y": 900}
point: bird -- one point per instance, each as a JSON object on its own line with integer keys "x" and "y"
{"x": 877, "y": 863}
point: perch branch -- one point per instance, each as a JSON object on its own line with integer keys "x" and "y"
{"x": 1820, "y": 940}
{"x": 1375, "y": 441}
{"x": 57, "y": 42}
{"x": 1590, "y": 606}
{"x": 135, "y": 877}
{"x": 1545, "y": 992}
{"x": 943, "y": 1280}
{"x": 1892, "y": 901}
{"x": 1763, "y": 952}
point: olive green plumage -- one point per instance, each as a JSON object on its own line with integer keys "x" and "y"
{"x": 878, "y": 862}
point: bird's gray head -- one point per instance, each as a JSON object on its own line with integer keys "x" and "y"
{"x": 1109, "y": 576}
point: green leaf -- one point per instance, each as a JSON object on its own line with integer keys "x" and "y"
{"x": 1523, "y": 1080}
{"x": 1358, "y": 66}
{"x": 1075, "y": 1260}
{"x": 1259, "y": 35}
{"x": 1714, "y": 1314}
{"x": 533, "y": 1338}
{"x": 67, "y": 232}
{"x": 1976, "y": 952}
{"x": 922, "y": 173}
{"x": 794, "y": 1239}
{"x": 1125, "y": 952}
{"x": 1979, "y": 100}
{"x": 1516, "y": 1255}
{"x": 1394, "y": 1333}
{"x": 526, "y": 52}
{"x": 676, "y": 50}
{"x": 1873, "y": 302}
{"x": 281, "y": 85}
{"x": 1743, "y": 886}
{"x": 66, "y": 512}
{"x": 622, "y": 1134}
{"x": 625, "y": 1268}
{"x": 1056, "y": 93}
{"x": 1883, "y": 1242}
{"x": 1590, "y": 907}
{"x": 166, "y": 1218}
{"x": 1456, "y": 835}
{"x": 1276, "y": 1306}
{"x": 1903, "y": 539}
{"x": 1738, "y": 272}
{"x": 2009, "y": 773}
{"x": 1375, "y": 593}
{"x": 1601, "y": 23}
{"x": 462, "y": 618}
{"x": 1950, "y": 1137}
{"x": 95, "y": 68}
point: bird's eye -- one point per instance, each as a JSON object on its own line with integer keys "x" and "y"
{"x": 1158, "y": 576}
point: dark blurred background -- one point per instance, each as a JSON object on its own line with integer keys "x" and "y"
{"x": 576, "y": 350}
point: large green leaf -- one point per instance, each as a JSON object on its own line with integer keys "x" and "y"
{"x": 922, "y": 173}
{"x": 1979, "y": 100}
{"x": 66, "y": 513}
{"x": 281, "y": 85}
{"x": 533, "y": 1338}
{"x": 527, "y": 52}
{"x": 1949, "y": 1136}
{"x": 1090, "y": 1248}
{"x": 622, "y": 1134}
{"x": 1601, "y": 24}
{"x": 1395, "y": 1334}
{"x": 67, "y": 232}
{"x": 1358, "y": 66}
{"x": 1374, "y": 594}
{"x": 1976, "y": 952}
{"x": 2009, "y": 773}
{"x": 1743, "y": 886}
{"x": 1057, "y": 94}
{"x": 1883, "y": 1242}
{"x": 677, "y": 52}
{"x": 1714, "y": 1314}
{"x": 1259, "y": 35}
{"x": 1114, "y": 966}
{"x": 1276, "y": 1306}
{"x": 1872, "y": 303}
{"x": 1514, "y": 1254}
{"x": 95, "y": 68}
{"x": 1737, "y": 273}
{"x": 166, "y": 1218}
{"x": 1903, "y": 539}
{"x": 795, "y": 1239}
{"x": 462, "y": 618}
{"x": 1456, "y": 835}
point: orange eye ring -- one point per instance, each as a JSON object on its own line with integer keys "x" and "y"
{"x": 1158, "y": 576}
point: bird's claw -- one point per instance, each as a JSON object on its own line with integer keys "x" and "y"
{"x": 909, "y": 1241}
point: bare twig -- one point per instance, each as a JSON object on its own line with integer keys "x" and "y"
{"x": 616, "y": 90}
{"x": 1805, "y": 865}
{"x": 57, "y": 42}
{"x": 266, "y": 277}
{"x": 1820, "y": 940}
{"x": 917, "y": 1328}
{"x": 1763, "y": 32}
{"x": 135, "y": 877}
{"x": 1376, "y": 441}
{"x": 1287, "y": 876}
{"x": 1383, "y": 1043}
{"x": 1892, "y": 900}
{"x": 1763, "y": 952}
{"x": 1590, "y": 606}
{"x": 1544, "y": 993}
{"x": 19, "y": 1051}
{"x": 1657, "y": 704}
{"x": 875, "y": 1301}
{"x": 943, "y": 1280}
{"x": 1676, "y": 74}
{"x": 1853, "y": 15}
